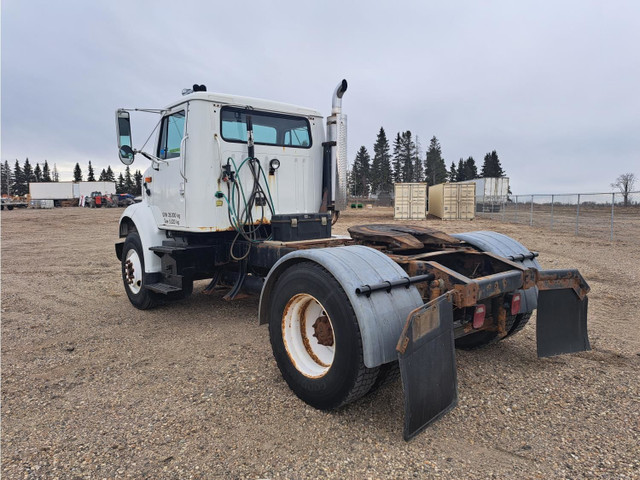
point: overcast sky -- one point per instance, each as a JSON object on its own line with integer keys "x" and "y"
{"x": 553, "y": 86}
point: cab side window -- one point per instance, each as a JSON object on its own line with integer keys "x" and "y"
{"x": 171, "y": 133}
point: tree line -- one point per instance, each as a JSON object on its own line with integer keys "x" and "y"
{"x": 16, "y": 181}
{"x": 406, "y": 163}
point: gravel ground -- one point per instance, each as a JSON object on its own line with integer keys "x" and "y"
{"x": 93, "y": 388}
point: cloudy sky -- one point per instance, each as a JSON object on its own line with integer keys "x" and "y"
{"x": 553, "y": 86}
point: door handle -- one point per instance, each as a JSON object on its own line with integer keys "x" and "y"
{"x": 183, "y": 154}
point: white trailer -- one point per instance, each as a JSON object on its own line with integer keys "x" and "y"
{"x": 54, "y": 190}
{"x": 105, "y": 188}
{"x": 491, "y": 193}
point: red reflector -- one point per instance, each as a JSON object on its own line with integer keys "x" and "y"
{"x": 478, "y": 317}
{"x": 515, "y": 304}
{"x": 147, "y": 179}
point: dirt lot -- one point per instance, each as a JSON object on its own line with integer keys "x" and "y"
{"x": 92, "y": 388}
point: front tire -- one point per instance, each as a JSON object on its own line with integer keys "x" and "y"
{"x": 316, "y": 340}
{"x": 133, "y": 274}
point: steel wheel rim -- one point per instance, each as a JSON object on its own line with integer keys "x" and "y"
{"x": 132, "y": 271}
{"x": 302, "y": 334}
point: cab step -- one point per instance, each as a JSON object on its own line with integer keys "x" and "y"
{"x": 163, "y": 288}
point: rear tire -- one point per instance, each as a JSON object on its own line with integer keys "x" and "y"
{"x": 388, "y": 373}
{"x": 326, "y": 370}
{"x": 133, "y": 274}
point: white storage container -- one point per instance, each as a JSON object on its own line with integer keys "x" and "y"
{"x": 410, "y": 202}
{"x": 452, "y": 201}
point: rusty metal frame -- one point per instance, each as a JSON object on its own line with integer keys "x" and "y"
{"x": 468, "y": 292}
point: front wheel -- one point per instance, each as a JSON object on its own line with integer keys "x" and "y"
{"x": 133, "y": 274}
{"x": 316, "y": 340}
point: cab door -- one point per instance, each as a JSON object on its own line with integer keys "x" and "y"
{"x": 169, "y": 181}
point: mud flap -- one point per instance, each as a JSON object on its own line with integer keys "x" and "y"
{"x": 428, "y": 365}
{"x": 561, "y": 325}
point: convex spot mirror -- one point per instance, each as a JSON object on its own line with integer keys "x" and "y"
{"x": 123, "y": 126}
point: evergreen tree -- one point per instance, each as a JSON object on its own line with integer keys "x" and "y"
{"x": 129, "y": 183}
{"x": 37, "y": 172}
{"x": 27, "y": 171}
{"x": 418, "y": 167}
{"x": 110, "y": 176}
{"x": 460, "y": 172}
{"x": 436, "y": 171}
{"x": 103, "y": 176}
{"x": 90, "y": 175}
{"x": 491, "y": 166}
{"x": 55, "y": 176}
{"x": 453, "y": 173}
{"x": 350, "y": 187}
{"x": 397, "y": 160}
{"x": 360, "y": 172}
{"x": 381, "y": 175}
{"x": 138, "y": 179}
{"x": 77, "y": 173}
{"x": 46, "y": 173}
{"x": 407, "y": 154}
{"x": 19, "y": 186}
{"x": 120, "y": 187}
{"x": 6, "y": 178}
{"x": 470, "y": 169}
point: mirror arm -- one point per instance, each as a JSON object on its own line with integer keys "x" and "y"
{"x": 153, "y": 158}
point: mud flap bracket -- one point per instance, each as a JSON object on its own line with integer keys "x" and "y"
{"x": 428, "y": 365}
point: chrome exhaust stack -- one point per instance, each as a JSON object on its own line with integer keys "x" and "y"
{"x": 337, "y": 136}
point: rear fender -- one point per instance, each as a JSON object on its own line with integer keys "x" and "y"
{"x": 381, "y": 316}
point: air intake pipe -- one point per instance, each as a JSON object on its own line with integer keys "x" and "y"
{"x": 337, "y": 142}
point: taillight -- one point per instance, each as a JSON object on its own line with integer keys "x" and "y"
{"x": 478, "y": 316}
{"x": 515, "y": 304}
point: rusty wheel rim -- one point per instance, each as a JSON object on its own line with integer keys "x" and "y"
{"x": 308, "y": 335}
{"x": 132, "y": 271}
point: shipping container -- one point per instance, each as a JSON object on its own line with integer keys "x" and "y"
{"x": 410, "y": 201}
{"x": 452, "y": 201}
{"x": 491, "y": 193}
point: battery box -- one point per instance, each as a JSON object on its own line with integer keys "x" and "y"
{"x": 300, "y": 226}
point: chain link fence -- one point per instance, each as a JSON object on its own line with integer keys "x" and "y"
{"x": 611, "y": 215}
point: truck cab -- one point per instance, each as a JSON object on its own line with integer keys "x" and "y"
{"x": 202, "y": 142}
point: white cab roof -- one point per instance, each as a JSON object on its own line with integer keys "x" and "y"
{"x": 238, "y": 101}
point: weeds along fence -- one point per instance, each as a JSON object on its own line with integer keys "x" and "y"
{"x": 589, "y": 214}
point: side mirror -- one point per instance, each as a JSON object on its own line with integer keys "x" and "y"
{"x": 123, "y": 127}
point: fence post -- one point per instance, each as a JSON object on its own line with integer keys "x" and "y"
{"x": 531, "y": 214}
{"x": 516, "y": 217}
{"x": 551, "y": 212}
{"x": 578, "y": 215}
{"x": 613, "y": 202}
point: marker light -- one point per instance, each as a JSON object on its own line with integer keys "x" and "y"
{"x": 478, "y": 316}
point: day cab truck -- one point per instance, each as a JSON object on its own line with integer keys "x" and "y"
{"x": 243, "y": 192}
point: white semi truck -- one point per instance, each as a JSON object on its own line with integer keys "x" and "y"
{"x": 244, "y": 191}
